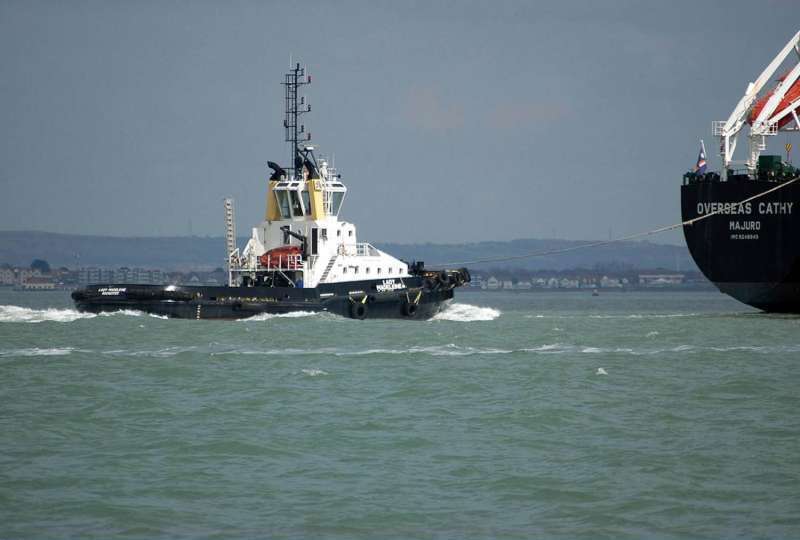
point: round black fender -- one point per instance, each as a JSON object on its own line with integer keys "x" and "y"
{"x": 428, "y": 284}
{"x": 409, "y": 309}
{"x": 358, "y": 311}
{"x": 444, "y": 278}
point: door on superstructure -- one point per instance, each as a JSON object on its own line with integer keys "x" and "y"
{"x": 314, "y": 240}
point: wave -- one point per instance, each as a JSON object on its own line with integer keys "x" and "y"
{"x": 291, "y": 315}
{"x": 609, "y": 316}
{"x": 19, "y": 314}
{"x": 9, "y": 313}
{"x": 29, "y": 315}
{"x": 645, "y": 316}
{"x": 450, "y": 349}
{"x": 554, "y": 347}
{"x": 314, "y": 372}
{"x": 466, "y": 313}
{"x": 36, "y": 351}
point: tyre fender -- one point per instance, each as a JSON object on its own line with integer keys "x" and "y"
{"x": 410, "y": 309}
{"x": 358, "y": 310}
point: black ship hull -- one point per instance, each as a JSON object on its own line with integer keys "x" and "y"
{"x": 407, "y": 298}
{"x": 749, "y": 251}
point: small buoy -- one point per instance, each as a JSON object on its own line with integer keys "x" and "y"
{"x": 601, "y": 371}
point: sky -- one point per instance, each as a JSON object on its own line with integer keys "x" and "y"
{"x": 450, "y": 121}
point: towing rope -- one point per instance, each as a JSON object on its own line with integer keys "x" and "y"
{"x": 621, "y": 238}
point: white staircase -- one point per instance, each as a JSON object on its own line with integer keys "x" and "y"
{"x": 328, "y": 269}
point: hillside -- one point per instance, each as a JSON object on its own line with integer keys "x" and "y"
{"x": 21, "y": 247}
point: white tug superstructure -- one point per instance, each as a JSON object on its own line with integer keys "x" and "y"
{"x": 301, "y": 257}
{"x": 303, "y": 206}
{"x": 303, "y": 211}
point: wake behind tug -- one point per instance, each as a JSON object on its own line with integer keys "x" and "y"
{"x": 301, "y": 258}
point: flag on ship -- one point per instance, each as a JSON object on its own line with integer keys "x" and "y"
{"x": 700, "y": 168}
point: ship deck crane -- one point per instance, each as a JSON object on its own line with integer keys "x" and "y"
{"x": 768, "y": 118}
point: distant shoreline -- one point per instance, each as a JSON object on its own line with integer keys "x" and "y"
{"x": 194, "y": 253}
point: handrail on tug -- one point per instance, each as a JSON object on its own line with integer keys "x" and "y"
{"x": 359, "y": 249}
{"x": 281, "y": 262}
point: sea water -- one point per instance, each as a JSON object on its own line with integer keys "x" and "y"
{"x": 549, "y": 415}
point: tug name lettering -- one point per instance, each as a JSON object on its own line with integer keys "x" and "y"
{"x": 389, "y": 285}
{"x": 763, "y": 208}
{"x": 111, "y": 291}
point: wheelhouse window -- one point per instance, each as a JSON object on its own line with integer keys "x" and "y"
{"x": 336, "y": 202}
{"x": 306, "y": 201}
{"x": 283, "y": 204}
{"x": 297, "y": 208}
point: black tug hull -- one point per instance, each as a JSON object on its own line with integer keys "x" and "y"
{"x": 750, "y": 252}
{"x": 407, "y": 298}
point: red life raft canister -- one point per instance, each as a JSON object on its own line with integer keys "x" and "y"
{"x": 282, "y": 257}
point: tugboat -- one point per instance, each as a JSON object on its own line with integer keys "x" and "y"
{"x": 749, "y": 248}
{"x": 302, "y": 257}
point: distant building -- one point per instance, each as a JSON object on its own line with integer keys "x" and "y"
{"x": 120, "y": 275}
{"x": 660, "y": 280}
{"x": 492, "y": 283}
{"x": 37, "y": 284}
{"x": 7, "y": 276}
{"x": 508, "y": 285}
{"x": 610, "y": 283}
{"x": 24, "y": 274}
{"x": 89, "y": 275}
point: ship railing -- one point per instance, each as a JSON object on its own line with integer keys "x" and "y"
{"x": 283, "y": 262}
{"x": 718, "y": 127}
{"x": 765, "y": 128}
{"x": 361, "y": 249}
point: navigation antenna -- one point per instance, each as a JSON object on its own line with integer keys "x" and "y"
{"x": 296, "y": 132}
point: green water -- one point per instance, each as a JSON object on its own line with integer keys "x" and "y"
{"x": 490, "y": 422}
